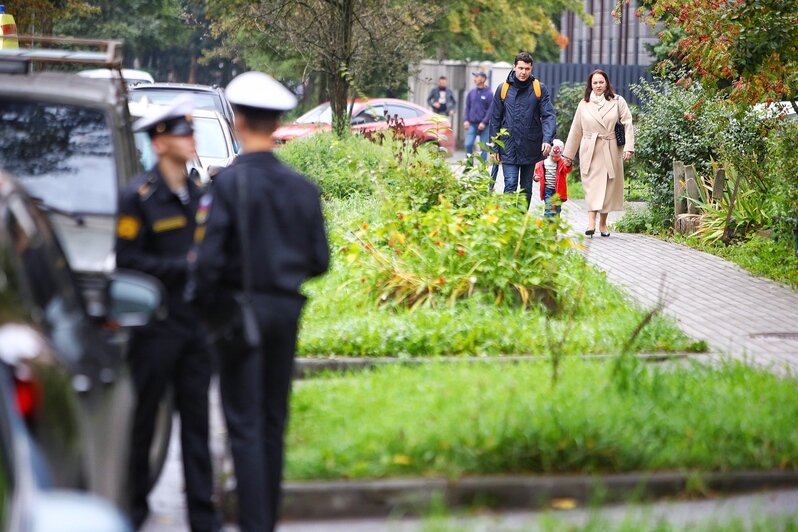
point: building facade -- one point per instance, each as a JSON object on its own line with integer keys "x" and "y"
{"x": 607, "y": 42}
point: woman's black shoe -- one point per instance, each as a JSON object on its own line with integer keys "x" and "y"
{"x": 607, "y": 234}
{"x": 590, "y": 232}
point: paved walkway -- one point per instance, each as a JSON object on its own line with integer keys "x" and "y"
{"x": 712, "y": 299}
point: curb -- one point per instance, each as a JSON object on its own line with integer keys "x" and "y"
{"x": 308, "y": 366}
{"x": 381, "y": 498}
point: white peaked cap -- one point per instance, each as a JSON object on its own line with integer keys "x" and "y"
{"x": 157, "y": 117}
{"x": 259, "y": 90}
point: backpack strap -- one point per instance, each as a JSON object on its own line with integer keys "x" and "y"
{"x": 535, "y": 86}
{"x": 505, "y": 88}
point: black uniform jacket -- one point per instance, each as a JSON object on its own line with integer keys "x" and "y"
{"x": 287, "y": 238}
{"x": 155, "y": 232}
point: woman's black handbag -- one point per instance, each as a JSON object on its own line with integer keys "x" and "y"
{"x": 620, "y": 134}
{"x": 233, "y": 326}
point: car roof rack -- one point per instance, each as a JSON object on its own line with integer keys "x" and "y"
{"x": 61, "y": 50}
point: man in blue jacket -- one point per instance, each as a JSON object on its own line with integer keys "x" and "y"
{"x": 477, "y": 115}
{"x": 523, "y": 107}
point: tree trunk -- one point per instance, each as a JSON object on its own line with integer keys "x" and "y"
{"x": 339, "y": 83}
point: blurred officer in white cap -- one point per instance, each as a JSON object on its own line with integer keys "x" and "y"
{"x": 155, "y": 232}
{"x": 263, "y": 235}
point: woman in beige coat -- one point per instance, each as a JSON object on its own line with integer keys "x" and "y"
{"x": 600, "y": 158}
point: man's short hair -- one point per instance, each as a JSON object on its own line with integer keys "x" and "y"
{"x": 442, "y": 78}
{"x": 260, "y": 120}
{"x": 526, "y": 57}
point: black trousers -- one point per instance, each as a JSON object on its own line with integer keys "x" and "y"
{"x": 255, "y": 388}
{"x": 165, "y": 355}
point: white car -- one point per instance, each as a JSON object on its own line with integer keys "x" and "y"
{"x": 215, "y": 142}
{"x": 132, "y": 77}
{"x": 784, "y": 109}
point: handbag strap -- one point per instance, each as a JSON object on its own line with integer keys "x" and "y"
{"x": 243, "y": 232}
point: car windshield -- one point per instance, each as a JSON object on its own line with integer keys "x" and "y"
{"x": 64, "y": 154}
{"x": 202, "y": 100}
{"x": 210, "y": 138}
{"x": 207, "y": 132}
{"x": 318, "y": 115}
{"x": 144, "y": 147}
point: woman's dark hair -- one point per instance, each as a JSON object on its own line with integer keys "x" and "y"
{"x": 526, "y": 57}
{"x": 609, "y": 92}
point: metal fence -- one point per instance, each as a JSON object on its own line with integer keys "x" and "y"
{"x": 621, "y": 76}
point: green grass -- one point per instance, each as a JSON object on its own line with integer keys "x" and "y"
{"x": 454, "y": 420}
{"x": 634, "y": 521}
{"x": 342, "y": 319}
{"x": 761, "y": 256}
{"x": 575, "y": 188}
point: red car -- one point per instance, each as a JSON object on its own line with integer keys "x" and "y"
{"x": 370, "y": 115}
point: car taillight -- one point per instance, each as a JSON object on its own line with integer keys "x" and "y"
{"x": 27, "y": 396}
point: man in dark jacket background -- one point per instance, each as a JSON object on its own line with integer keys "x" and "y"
{"x": 531, "y": 124}
{"x": 441, "y": 98}
{"x": 477, "y": 115}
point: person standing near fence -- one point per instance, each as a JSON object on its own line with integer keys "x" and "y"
{"x": 593, "y": 135}
{"x": 283, "y": 244}
{"x": 523, "y": 107}
{"x": 477, "y": 116}
{"x": 441, "y": 98}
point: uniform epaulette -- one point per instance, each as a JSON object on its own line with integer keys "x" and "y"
{"x": 146, "y": 189}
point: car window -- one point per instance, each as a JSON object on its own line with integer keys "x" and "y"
{"x": 44, "y": 276}
{"x": 202, "y": 100}
{"x": 321, "y": 114}
{"x": 64, "y": 154}
{"x": 403, "y": 111}
{"x": 370, "y": 114}
{"x": 210, "y": 138}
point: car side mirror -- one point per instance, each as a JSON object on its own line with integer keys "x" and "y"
{"x": 358, "y": 120}
{"x": 135, "y": 299}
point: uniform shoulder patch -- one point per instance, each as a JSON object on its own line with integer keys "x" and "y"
{"x": 128, "y": 227}
{"x": 145, "y": 191}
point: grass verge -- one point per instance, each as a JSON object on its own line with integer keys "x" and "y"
{"x": 764, "y": 257}
{"x": 340, "y": 318}
{"x": 453, "y": 420}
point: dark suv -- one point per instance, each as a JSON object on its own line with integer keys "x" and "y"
{"x": 70, "y": 380}
{"x": 68, "y": 141}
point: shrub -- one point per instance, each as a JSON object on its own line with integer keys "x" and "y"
{"x": 782, "y": 175}
{"x": 341, "y": 167}
{"x": 673, "y": 125}
{"x": 490, "y": 247}
{"x": 565, "y": 104}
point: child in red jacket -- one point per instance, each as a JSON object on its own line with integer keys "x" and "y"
{"x": 552, "y": 174}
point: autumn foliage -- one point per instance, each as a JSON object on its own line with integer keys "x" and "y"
{"x": 747, "y": 49}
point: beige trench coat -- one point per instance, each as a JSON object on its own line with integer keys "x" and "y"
{"x": 600, "y": 158}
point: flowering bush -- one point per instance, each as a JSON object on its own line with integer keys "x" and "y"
{"x": 488, "y": 248}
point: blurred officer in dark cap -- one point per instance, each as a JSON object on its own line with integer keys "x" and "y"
{"x": 155, "y": 232}
{"x": 287, "y": 245}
